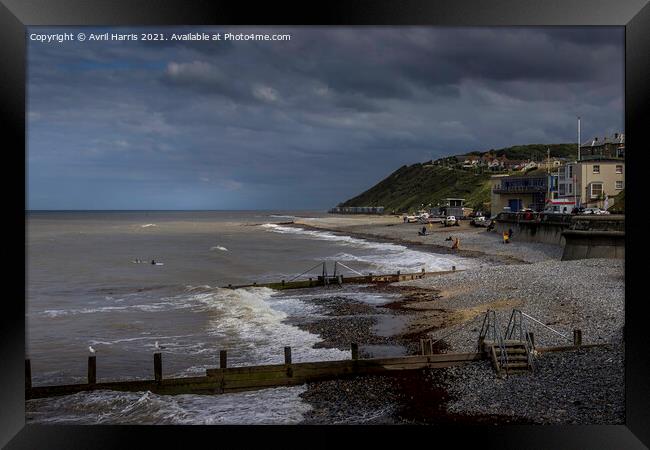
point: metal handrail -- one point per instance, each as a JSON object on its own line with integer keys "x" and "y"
{"x": 524, "y": 336}
{"x": 341, "y": 264}
{"x": 491, "y": 326}
{"x": 306, "y": 271}
{"x": 545, "y": 326}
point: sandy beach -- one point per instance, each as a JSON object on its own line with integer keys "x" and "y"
{"x": 584, "y": 386}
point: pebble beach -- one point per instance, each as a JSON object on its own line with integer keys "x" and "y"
{"x": 584, "y": 386}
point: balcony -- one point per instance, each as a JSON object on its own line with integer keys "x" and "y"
{"x": 500, "y": 189}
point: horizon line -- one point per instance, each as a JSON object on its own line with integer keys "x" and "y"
{"x": 167, "y": 210}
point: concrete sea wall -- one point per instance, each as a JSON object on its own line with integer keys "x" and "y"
{"x": 581, "y": 236}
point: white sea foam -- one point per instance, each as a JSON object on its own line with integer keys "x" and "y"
{"x": 279, "y": 216}
{"x": 218, "y": 247}
{"x": 270, "y": 406}
{"x": 139, "y": 338}
{"x": 148, "y": 225}
{"x": 148, "y": 307}
{"x": 246, "y": 317}
{"x": 384, "y": 257}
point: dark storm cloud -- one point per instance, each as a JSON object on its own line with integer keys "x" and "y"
{"x": 303, "y": 123}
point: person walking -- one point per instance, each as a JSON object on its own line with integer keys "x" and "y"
{"x": 506, "y": 238}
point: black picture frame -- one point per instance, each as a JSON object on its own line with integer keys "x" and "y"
{"x": 634, "y": 15}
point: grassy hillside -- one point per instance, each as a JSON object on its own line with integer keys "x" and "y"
{"x": 427, "y": 183}
{"x": 536, "y": 152}
{"x": 411, "y": 186}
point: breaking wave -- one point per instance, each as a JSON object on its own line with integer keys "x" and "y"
{"x": 382, "y": 257}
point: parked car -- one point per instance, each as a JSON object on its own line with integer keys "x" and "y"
{"x": 559, "y": 209}
{"x": 596, "y": 211}
{"x": 479, "y": 221}
{"x": 450, "y": 221}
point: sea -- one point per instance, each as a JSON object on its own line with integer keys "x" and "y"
{"x": 91, "y": 282}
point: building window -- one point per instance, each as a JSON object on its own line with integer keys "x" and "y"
{"x": 596, "y": 168}
{"x": 619, "y": 184}
{"x": 619, "y": 168}
{"x": 570, "y": 171}
{"x": 563, "y": 189}
{"x": 570, "y": 189}
{"x": 596, "y": 190}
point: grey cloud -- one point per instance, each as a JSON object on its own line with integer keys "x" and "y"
{"x": 268, "y": 123}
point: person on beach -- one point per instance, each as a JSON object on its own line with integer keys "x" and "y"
{"x": 424, "y": 230}
{"x": 456, "y": 244}
{"x": 506, "y": 238}
{"x": 153, "y": 261}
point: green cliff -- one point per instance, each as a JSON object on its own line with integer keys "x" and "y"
{"x": 410, "y": 187}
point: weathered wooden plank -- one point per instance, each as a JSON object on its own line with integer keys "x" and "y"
{"x": 565, "y": 348}
{"x": 431, "y": 365}
{"x": 354, "y": 280}
{"x": 186, "y": 380}
{"x": 252, "y": 377}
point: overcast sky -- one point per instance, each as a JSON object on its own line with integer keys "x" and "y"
{"x": 301, "y": 124}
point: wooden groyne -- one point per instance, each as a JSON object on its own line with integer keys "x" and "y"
{"x": 327, "y": 280}
{"x": 236, "y": 379}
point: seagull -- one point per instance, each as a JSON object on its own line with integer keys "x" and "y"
{"x": 91, "y": 349}
{"x": 159, "y": 347}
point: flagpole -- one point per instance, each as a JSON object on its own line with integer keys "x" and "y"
{"x": 575, "y": 176}
{"x": 578, "y": 138}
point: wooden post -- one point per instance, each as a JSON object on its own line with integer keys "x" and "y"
{"x": 531, "y": 337}
{"x": 309, "y": 281}
{"x": 426, "y": 346}
{"x": 398, "y": 272}
{"x": 577, "y": 338}
{"x": 287, "y": 361}
{"x": 92, "y": 369}
{"x": 28, "y": 374}
{"x": 355, "y": 350}
{"x": 423, "y": 270}
{"x": 282, "y": 283}
{"x": 223, "y": 359}
{"x": 340, "y": 279}
{"x": 157, "y": 367}
{"x": 453, "y": 268}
